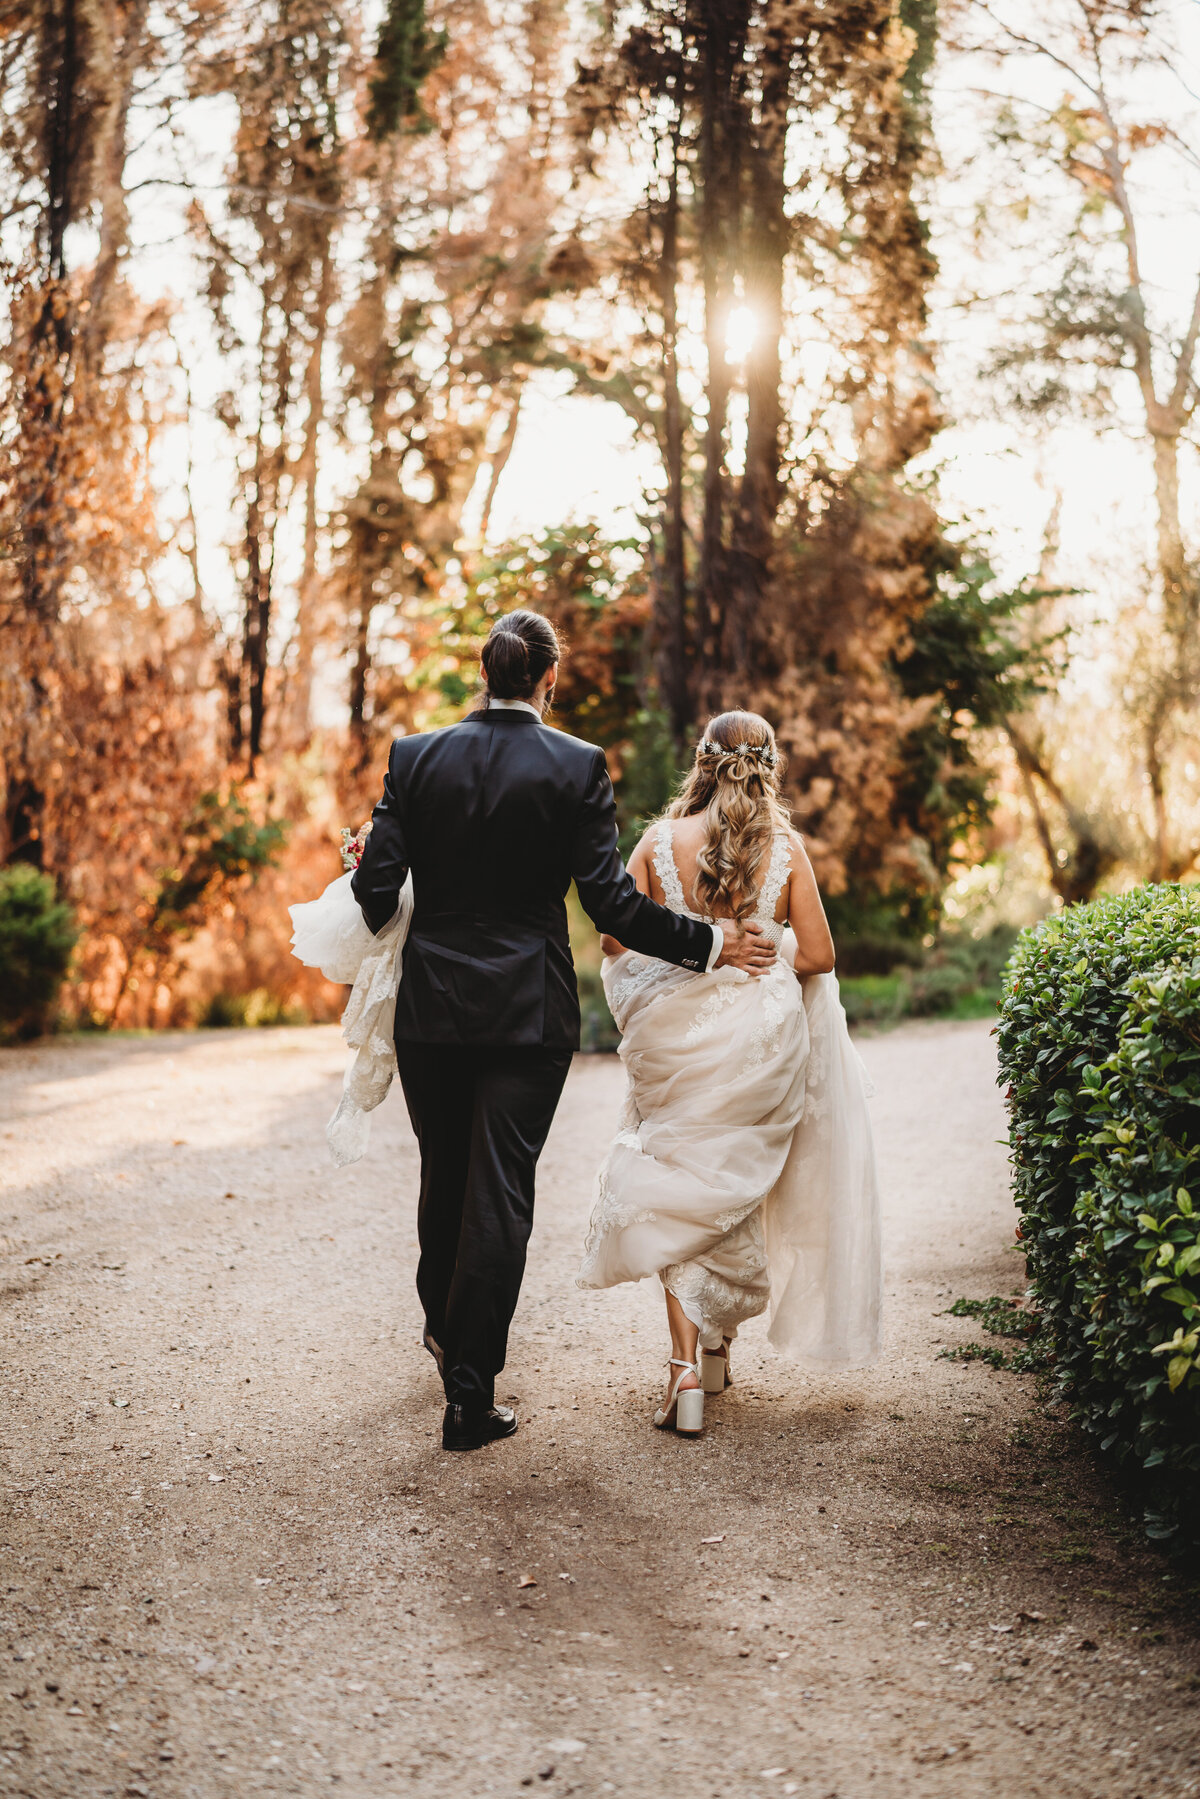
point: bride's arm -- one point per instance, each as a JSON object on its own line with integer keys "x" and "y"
{"x": 639, "y": 867}
{"x": 806, "y": 915}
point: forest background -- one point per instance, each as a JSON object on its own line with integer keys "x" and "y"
{"x": 830, "y": 357}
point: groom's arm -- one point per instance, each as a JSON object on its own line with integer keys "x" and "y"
{"x": 377, "y": 880}
{"x": 610, "y": 896}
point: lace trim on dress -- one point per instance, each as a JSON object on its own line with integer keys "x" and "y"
{"x": 728, "y": 1221}
{"x": 640, "y": 971}
{"x": 705, "y": 1021}
{"x": 667, "y": 869}
{"x": 608, "y": 1214}
{"x": 764, "y": 1041}
{"x": 778, "y": 870}
{"x": 719, "y": 1299}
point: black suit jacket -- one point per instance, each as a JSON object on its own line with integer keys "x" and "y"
{"x": 495, "y": 817}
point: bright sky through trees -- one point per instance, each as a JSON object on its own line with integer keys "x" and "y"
{"x": 575, "y": 455}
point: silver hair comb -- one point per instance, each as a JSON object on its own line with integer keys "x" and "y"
{"x": 762, "y": 752}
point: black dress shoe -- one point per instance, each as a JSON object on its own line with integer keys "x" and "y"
{"x": 470, "y": 1427}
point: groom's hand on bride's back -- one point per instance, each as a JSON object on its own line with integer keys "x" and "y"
{"x": 747, "y": 949}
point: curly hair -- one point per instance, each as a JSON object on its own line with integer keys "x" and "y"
{"x": 735, "y": 780}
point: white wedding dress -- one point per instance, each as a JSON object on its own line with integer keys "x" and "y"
{"x": 743, "y": 1173}
{"x": 330, "y": 933}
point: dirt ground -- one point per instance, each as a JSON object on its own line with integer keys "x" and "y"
{"x": 238, "y": 1562}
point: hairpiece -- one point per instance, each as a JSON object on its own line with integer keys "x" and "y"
{"x": 762, "y": 752}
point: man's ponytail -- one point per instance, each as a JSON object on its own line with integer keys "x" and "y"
{"x": 521, "y": 647}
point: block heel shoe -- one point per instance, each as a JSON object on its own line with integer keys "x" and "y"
{"x": 684, "y": 1411}
{"x": 714, "y": 1369}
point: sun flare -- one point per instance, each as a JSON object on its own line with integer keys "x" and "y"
{"x": 741, "y": 329}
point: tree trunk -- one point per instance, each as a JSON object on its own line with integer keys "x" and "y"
{"x": 306, "y": 597}
{"x": 52, "y": 338}
{"x": 1172, "y": 562}
{"x": 360, "y": 668}
{"x": 499, "y": 464}
{"x": 1177, "y": 691}
{"x": 722, "y": 40}
{"x": 671, "y": 599}
{"x": 1077, "y": 875}
{"x": 256, "y": 621}
{"x": 256, "y": 636}
{"x": 1156, "y": 728}
{"x": 114, "y": 209}
{"x": 63, "y": 61}
{"x": 765, "y": 241}
{"x": 231, "y": 681}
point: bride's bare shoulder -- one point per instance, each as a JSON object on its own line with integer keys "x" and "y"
{"x": 690, "y": 829}
{"x": 643, "y": 851}
{"x": 799, "y": 871}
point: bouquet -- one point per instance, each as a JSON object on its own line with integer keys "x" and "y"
{"x": 353, "y": 845}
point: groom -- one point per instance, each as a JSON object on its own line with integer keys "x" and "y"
{"x": 495, "y": 817}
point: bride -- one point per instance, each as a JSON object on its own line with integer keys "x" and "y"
{"x": 743, "y": 1173}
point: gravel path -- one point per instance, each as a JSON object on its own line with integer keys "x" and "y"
{"x": 238, "y": 1562}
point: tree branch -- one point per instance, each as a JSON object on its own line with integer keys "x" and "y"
{"x": 1183, "y": 364}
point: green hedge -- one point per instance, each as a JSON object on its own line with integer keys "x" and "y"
{"x": 1100, "y": 1047}
{"x": 37, "y": 935}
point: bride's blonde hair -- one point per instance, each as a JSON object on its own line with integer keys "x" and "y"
{"x": 735, "y": 780}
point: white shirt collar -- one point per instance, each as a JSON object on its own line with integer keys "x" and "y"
{"x": 513, "y": 706}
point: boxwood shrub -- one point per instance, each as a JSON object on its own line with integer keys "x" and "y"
{"x": 37, "y": 935}
{"x": 1100, "y": 1049}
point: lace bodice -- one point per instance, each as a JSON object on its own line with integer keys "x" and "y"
{"x": 671, "y": 882}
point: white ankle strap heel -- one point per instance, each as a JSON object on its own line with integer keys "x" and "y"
{"x": 714, "y": 1369}
{"x": 684, "y": 1411}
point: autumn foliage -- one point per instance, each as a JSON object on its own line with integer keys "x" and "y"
{"x": 405, "y": 236}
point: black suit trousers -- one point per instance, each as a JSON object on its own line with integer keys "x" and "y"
{"x": 481, "y": 1115}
